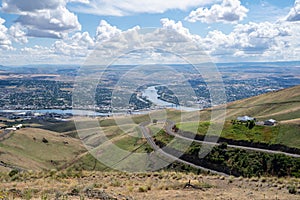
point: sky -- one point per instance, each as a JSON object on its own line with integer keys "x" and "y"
{"x": 67, "y": 31}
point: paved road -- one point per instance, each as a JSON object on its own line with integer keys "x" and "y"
{"x": 147, "y": 134}
{"x": 170, "y": 124}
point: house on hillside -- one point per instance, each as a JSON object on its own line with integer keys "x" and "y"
{"x": 270, "y": 122}
{"x": 19, "y": 126}
{"x": 245, "y": 119}
{"x": 11, "y": 129}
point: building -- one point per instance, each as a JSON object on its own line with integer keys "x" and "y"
{"x": 270, "y": 122}
{"x": 245, "y": 119}
{"x": 19, "y": 126}
{"x": 11, "y": 129}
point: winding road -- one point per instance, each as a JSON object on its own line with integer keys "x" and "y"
{"x": 147, "y": 134}
{"x": 168, "y": 128}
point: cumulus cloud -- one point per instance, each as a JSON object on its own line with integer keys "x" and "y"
{"x": 110, "y": 42}
{"x": 17, "y": 33}
{"x": 43, "y": 18}
{"x": 258, "y": 37}
{"x": 129, "y": 7}
{"x": 255, "y": 40}
{"x": 16, "y": 6}
{"x": 265, "y": 41}
{"x": 171, "y": 37}
{"x": 69, "y": 50}
{"x": 229, "y": 11}
{"x": 294, "y": 14}
{"x": 79, "y": 45}
{"x": 105, "y": 31}
{"x": 5, "y": 42}
{"x": 176, "y": 27}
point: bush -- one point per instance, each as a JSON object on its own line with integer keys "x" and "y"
{"x": 44, "y": 140}
{"x": 13, "y": 172}
{"x": 292, "y": 189}
{"x": 115, "y": 183}
{"x": 27, "y": 194}
{"x": 143, "y": 189}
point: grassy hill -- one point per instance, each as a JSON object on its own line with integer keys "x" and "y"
{"x": 281, "y": 105}
{"x": 35, "y": 149}
{"x": 25, "y": 149}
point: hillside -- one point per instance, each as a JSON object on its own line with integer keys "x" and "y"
{"x": 147, "y": 186}
{"x": 36, "y": 149}
{"x": 20, "y": 149}
{"x": 281, "y": 105}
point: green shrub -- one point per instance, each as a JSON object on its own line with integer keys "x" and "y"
{"x": 142, "y": 189}
{"x": 292, "y": 189}
{"x": 13, "y": 172}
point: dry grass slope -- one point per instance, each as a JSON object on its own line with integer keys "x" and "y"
{"x": 156, "y": 185}
{"x": 282, "y": 105}
{"x": 26, "y": 149}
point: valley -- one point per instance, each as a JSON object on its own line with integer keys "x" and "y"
{"x": 59, "y": 150}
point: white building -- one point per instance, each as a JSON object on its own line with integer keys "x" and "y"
{"x": 270, "y": 122}
{"x": 245, "y": 118}
{"x": 19, "y": 126}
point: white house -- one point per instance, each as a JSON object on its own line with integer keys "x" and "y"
{"x": 270, "y": 122}
{"x": 19, "y": 126}
{"x": 245, "y": 118}
{"x": 11, "y": 129}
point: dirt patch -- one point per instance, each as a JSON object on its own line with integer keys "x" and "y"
{"x": 292, "y": 121}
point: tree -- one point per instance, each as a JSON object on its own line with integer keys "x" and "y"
{"x": 223, "y": 145}
{"x": 251, "y": 124}
{"x": 175, "y": 128}
{"x": 13, "y": 172}
{"x": 154, "y": 121}
{"x": 44, "y": 140}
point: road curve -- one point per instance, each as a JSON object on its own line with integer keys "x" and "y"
{"x": 147, "y": 134}
{"x": 170, "y": 124}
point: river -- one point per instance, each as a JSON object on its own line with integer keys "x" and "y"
{"x": 151, "y": 94}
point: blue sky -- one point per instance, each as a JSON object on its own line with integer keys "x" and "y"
{"x": 66, "y": 31}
